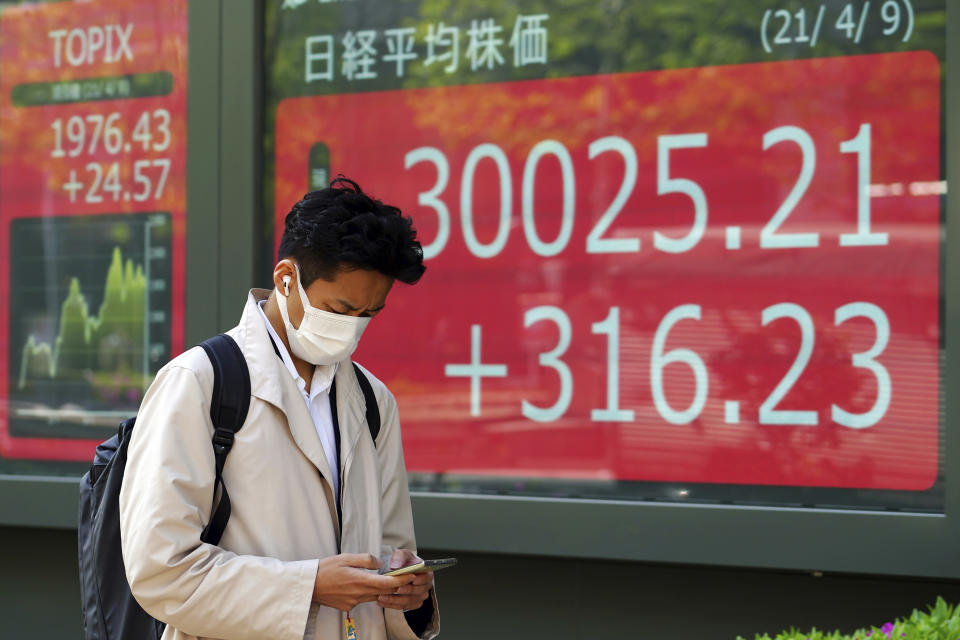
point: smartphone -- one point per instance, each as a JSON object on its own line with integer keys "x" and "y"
{"x": 423, "y": 566}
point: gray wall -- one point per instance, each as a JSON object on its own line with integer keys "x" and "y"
{"x": 498, "y": 596}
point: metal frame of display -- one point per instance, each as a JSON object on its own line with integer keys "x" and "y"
{"x": 224, "y": 104}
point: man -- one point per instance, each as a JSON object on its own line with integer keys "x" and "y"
{"x": 308, "y": 526}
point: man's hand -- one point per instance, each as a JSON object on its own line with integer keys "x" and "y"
{"x": 411, "y": 595}
{"x": 343, "y": 581}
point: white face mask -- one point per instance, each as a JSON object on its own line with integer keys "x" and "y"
{"x": 323, "y": 337}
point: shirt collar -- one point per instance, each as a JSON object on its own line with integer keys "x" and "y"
{"x": 322, "y": 373}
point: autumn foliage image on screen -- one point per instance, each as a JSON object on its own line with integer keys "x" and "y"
{"x": 694, "y": 275}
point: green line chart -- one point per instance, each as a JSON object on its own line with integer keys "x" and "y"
{"x": 120, "y": 319}
{"x": 90, "y": 307}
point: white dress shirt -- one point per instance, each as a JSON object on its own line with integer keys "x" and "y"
{"x": 318, "y": 400}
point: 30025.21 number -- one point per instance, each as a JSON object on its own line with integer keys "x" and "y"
{"x": 597, "y": 241}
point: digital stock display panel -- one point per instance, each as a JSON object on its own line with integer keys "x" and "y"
{"x": 680, "y": 251}
{"x": 92, "y": 220}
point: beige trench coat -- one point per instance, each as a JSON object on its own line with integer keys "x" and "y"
{"x": 258, "y": 583}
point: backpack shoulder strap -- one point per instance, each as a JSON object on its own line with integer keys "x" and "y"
{"x": 228, "y": 410}
{"x": 373, "y": 411}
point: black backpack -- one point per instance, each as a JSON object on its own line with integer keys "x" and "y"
{"x": 110, "y": 611}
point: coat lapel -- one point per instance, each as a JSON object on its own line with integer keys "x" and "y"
{"x": 351, "y": 414}
{"x": 301, "y": 425}
{"x": 270, "y": 381}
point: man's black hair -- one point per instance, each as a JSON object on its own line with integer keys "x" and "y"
{"x": 341, "y": 227}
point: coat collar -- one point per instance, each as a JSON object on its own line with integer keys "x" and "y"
{"x": 270, "y": 381}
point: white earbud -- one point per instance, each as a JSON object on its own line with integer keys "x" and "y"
{"x": 286, "y": 285}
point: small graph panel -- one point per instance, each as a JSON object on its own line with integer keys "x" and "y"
{"x": 89, "y": 320}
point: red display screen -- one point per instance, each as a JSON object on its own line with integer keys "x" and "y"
{"x": 721, "y": 275}
{"x": 92, "y": 217}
